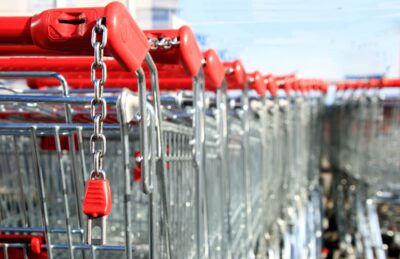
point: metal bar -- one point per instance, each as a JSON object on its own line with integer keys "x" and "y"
{"x": 64, "y": 190}
{"x": 74, "y": 100}
{"x": 42, "y": 191}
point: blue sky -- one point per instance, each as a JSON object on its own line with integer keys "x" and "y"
{"x": 328, "y": 39}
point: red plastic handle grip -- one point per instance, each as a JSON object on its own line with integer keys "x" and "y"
{"x": 214, "y": 70}
{"x": 351, "y": 85}
{"x": 187, "y": 53}
{"x": 256, "y": 82}
{"x": 69, "y": 30}
{"x": 374, "y": 83}
{"x": 285, "y": 82}
{"x": 235, "y": 74}
{"x": 340, "y": 86}
{"x": 324, "y": 87}
{"x": 304, "y": 85}
{"x": 393, "y": 82}
{"x": 270, "y": 84}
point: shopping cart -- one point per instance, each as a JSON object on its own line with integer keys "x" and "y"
{"x": 215, "y": 155}
{"x": 200, "y": 161}
{"x": 274, "y": 175}
{"x": 184, "y": 72}
{"x": 210, "y": 108}
{"x": 299, "y": 167}
{"x": 364, "y": 134}
{"x": 239, "y": 212}
{"x": 256, "y": 156}
{"x": 48, "y": 130}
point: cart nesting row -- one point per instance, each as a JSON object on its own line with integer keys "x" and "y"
{"x": 364, "y": 140}
{"x": 135, "y": 144}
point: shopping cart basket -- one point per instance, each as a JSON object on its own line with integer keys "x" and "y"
{"x": 246, "y": 144}
{"x": 236, "y": 155}
{"x": 256, "y": 158}
{"x": 299, "y": 175}
{"x": 179, "y": 61}
{"x": 44, "y": 131}
{"x": 274, "y": 175}
{"x": 215, "y": 155}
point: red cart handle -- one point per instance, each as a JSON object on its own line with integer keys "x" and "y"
{"x": 270, "y": 84}
{"x": 352, "y": 85}
{"x": 256, "y": 82}
{"x": 340, "y": 86}
{"x": 176, "y": 47}
{"x": 69, "y": 30}
{"x": 392, "y": 82}
{"x": 172, "y": 77}
{"x": 214, "y": 70}
{"x": 371, "y": 83}
{"x": 324, "y": 87}
{"x": 304, "y": 85}
{"x": 374, "y": 83}
{"x": 285, "y": 83}
{"x": 235, "y": 74}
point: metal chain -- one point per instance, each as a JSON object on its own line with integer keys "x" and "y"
{"x": 98, "y": 105}
{"x": 163, "y": 43}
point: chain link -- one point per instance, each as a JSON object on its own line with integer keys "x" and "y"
{"x": 163, "y": 43}
{"x": 98, "y": 105}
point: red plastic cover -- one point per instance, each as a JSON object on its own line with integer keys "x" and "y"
{"x": 97, "y": 200}
{"x": 214, "y": 70}
{"x": 69, "y": 30}
{"x": 270, "y": 83}
{"x": 286, "y": 82}
{"x": 187, "y": 53}
{"x": 257, "y": 82}
{"x": 235, "y": 74}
